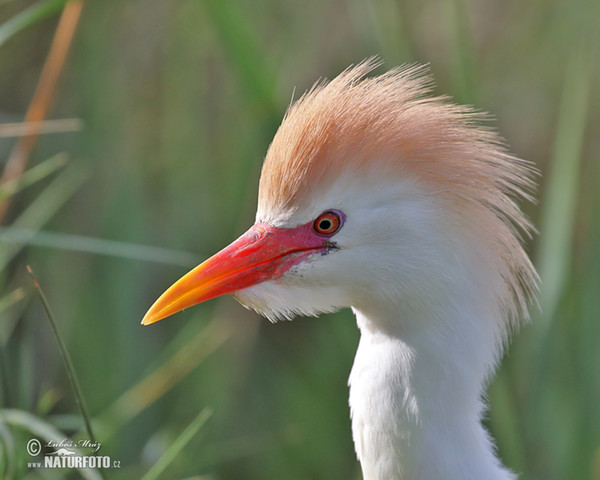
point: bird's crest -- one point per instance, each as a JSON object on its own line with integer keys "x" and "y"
{"x": 355, "y": 123}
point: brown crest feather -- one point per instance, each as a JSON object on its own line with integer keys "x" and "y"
{"x": 354, "y": 122}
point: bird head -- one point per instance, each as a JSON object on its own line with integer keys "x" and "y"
{"x": 372, "y": 191}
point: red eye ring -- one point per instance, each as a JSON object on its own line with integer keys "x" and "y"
{"x": 328, "y": 223}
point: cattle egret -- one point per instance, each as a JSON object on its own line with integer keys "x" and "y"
{"x": 378, "y": 196}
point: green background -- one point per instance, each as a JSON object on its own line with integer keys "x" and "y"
{"x": 179, "y": 100}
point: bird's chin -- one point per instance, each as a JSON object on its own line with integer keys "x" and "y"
{"x": 277, "y": 301}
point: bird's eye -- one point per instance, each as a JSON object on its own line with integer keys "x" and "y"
{"x": 328, "y": 223}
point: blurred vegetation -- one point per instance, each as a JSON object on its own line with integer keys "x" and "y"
{"x": 177, "y": 101}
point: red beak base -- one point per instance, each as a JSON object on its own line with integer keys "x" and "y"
{"x": 262, "y": 253}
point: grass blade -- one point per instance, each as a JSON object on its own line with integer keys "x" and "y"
{"x": 65, "y": 357}
{"x": 97, "y": 246}
{"x": 553, "y": 260}
{"x": 558, "y": 216}
{"x": 178, "y": 445}
{"x": 464, "y": 71}
{"x": 20, "y": 129}
{"x": 7, "y": 452}
{"x": 390, "y": 27}
{"x": 30, "y": 16}
{"x": 6, "y": 302}
{"x": 31, "y": 176}
{"x": 43, "y": 208}
{"x": 44, "y": 93}
{"x": 10, "y": 299}
{"x": 242, "y": 46}
{"x": 44, "y": 430}
{"x": 162, "y": 378}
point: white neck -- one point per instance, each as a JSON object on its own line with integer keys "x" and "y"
{"x": 415, "y": 392}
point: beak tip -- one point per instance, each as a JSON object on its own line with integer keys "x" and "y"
{"x": 149, "y": 319}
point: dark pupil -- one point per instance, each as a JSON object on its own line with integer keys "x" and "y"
{"x": 325, "y": 224}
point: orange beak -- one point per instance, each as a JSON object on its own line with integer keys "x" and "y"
{"x": 262, "y": 253}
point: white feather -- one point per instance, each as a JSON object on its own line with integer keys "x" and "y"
{"x": 427, "y": 302}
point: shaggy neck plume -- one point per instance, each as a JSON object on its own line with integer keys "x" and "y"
{"x": 415, "y": 391}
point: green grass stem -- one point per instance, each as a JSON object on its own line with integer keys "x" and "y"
{"x": 32, "y": 176}
{"x": 70, "y": 369}
{"x": 390, "y": 25}
{"x": 178, "y": 445}
{"x": 59, "y": 125}
{"x": 97, "y": 246}
{"x": 6, "y": 302}
{"x": 43, "y": 430}
{"x": 244, "y": 50}
{"x": 30, "y": 16}
{"x": 465, "y": 84}
{"x": 10, "y": 299}
{"x": 190, "y": 352}
{"x": 45, "y": 205}
{"x": 560, "y": 196}
{"x": 7, "y": 452}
